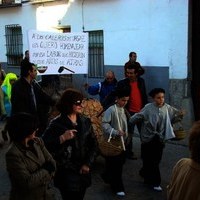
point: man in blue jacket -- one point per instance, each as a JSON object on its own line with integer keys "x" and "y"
{"x": 103, "y": 89}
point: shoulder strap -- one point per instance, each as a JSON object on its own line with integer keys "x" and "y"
{"x": 117, "y": 117}
{"x": 122, "y": 139}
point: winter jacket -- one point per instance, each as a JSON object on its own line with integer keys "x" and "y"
{"x": 22, "y": 100}
{"x": 72, "y": 154}
{"x": 29, "y": 180}
{"x": 102, "y": 88}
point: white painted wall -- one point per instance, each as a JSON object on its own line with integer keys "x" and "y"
{"x": 157, "y": 30}
{"x": 24, "y": 16}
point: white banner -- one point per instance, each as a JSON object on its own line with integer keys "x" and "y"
{"x": 61, "y": 53}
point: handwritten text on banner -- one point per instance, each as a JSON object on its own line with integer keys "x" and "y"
{"x": 59, "y": 49}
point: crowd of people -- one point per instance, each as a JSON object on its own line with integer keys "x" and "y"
{"x": 60, "y": 152}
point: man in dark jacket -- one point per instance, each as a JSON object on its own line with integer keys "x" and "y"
{"x": 26, "y": 58}
{"x": 138, "y": 97}
{"x": 132, "y": 60}
{"x": 27, "y": 96}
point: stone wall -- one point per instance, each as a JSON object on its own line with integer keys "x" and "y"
{"x": 180, "y": 97}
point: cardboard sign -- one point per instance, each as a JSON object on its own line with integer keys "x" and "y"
{"x": 59, "y": 53}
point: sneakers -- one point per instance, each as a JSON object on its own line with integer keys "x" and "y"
{"x": 157, "y": 188}
{"x": 121, "y": 194}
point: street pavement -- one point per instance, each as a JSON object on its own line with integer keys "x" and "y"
{"x": 134, "y": 187}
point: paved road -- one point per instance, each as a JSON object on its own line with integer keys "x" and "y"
{"x": 135, "y": 189}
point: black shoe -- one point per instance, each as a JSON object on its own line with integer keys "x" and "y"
{"x": 141, "y": 172}
{"x": 105, "y": 178}
{"x": 3, "y": 117}
{"x": 4, "y": 135}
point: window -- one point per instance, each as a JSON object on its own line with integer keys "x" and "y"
{"x": 14, "y": 46}
{"x": 96, "y": 54}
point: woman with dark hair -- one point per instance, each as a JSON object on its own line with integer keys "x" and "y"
{"x": 30, "y": 166}
{"x": 185, "y": 179}
{"x": 71, "y": 141}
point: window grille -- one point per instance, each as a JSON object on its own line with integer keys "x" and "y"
{"x": 14, "y": 46}
{"x": 96, "y": 54}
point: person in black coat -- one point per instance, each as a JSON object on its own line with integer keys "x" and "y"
{"x": 26, "y": 58}
{"x": 132, "y": 60}
{"x": 27, "y": 96}
{"x": 137, "y": 98}
{"x": 71, "y": 140}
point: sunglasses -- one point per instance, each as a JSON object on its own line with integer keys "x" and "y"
{"x": 78, "y": 103}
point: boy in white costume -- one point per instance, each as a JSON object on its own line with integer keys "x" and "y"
{"x": 115, "y": 121}
{"x": 157, "y": 118}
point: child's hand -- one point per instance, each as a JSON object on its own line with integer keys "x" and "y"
{"x": 182, "y": 113}
{"x": 121, "y": 133}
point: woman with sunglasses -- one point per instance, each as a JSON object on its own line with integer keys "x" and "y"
{"x": 71, "y": 141}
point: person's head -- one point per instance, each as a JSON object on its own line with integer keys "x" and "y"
{"x": 194, "y": 142}
{"x": 133, "y": 71}
{"x": 8, "y": 82}
{"x": 28, "y": 70}
{"x": 132, "y": 56}
{"x": 27, "y": 54}
{"x": 122, "y": 97}
{"x": 22, "y": 126}
{"x": 109, "y": 76}
{"x": 70, "y": 102}
{"x": 158, "y": 96}
{"x": 10, "y": 79}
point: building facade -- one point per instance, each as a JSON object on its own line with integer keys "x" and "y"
{"x": 158, "y": 31}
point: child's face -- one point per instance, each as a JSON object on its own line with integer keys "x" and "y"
{"x": 121, "y": 102}
{"x": 159, "y": 99}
